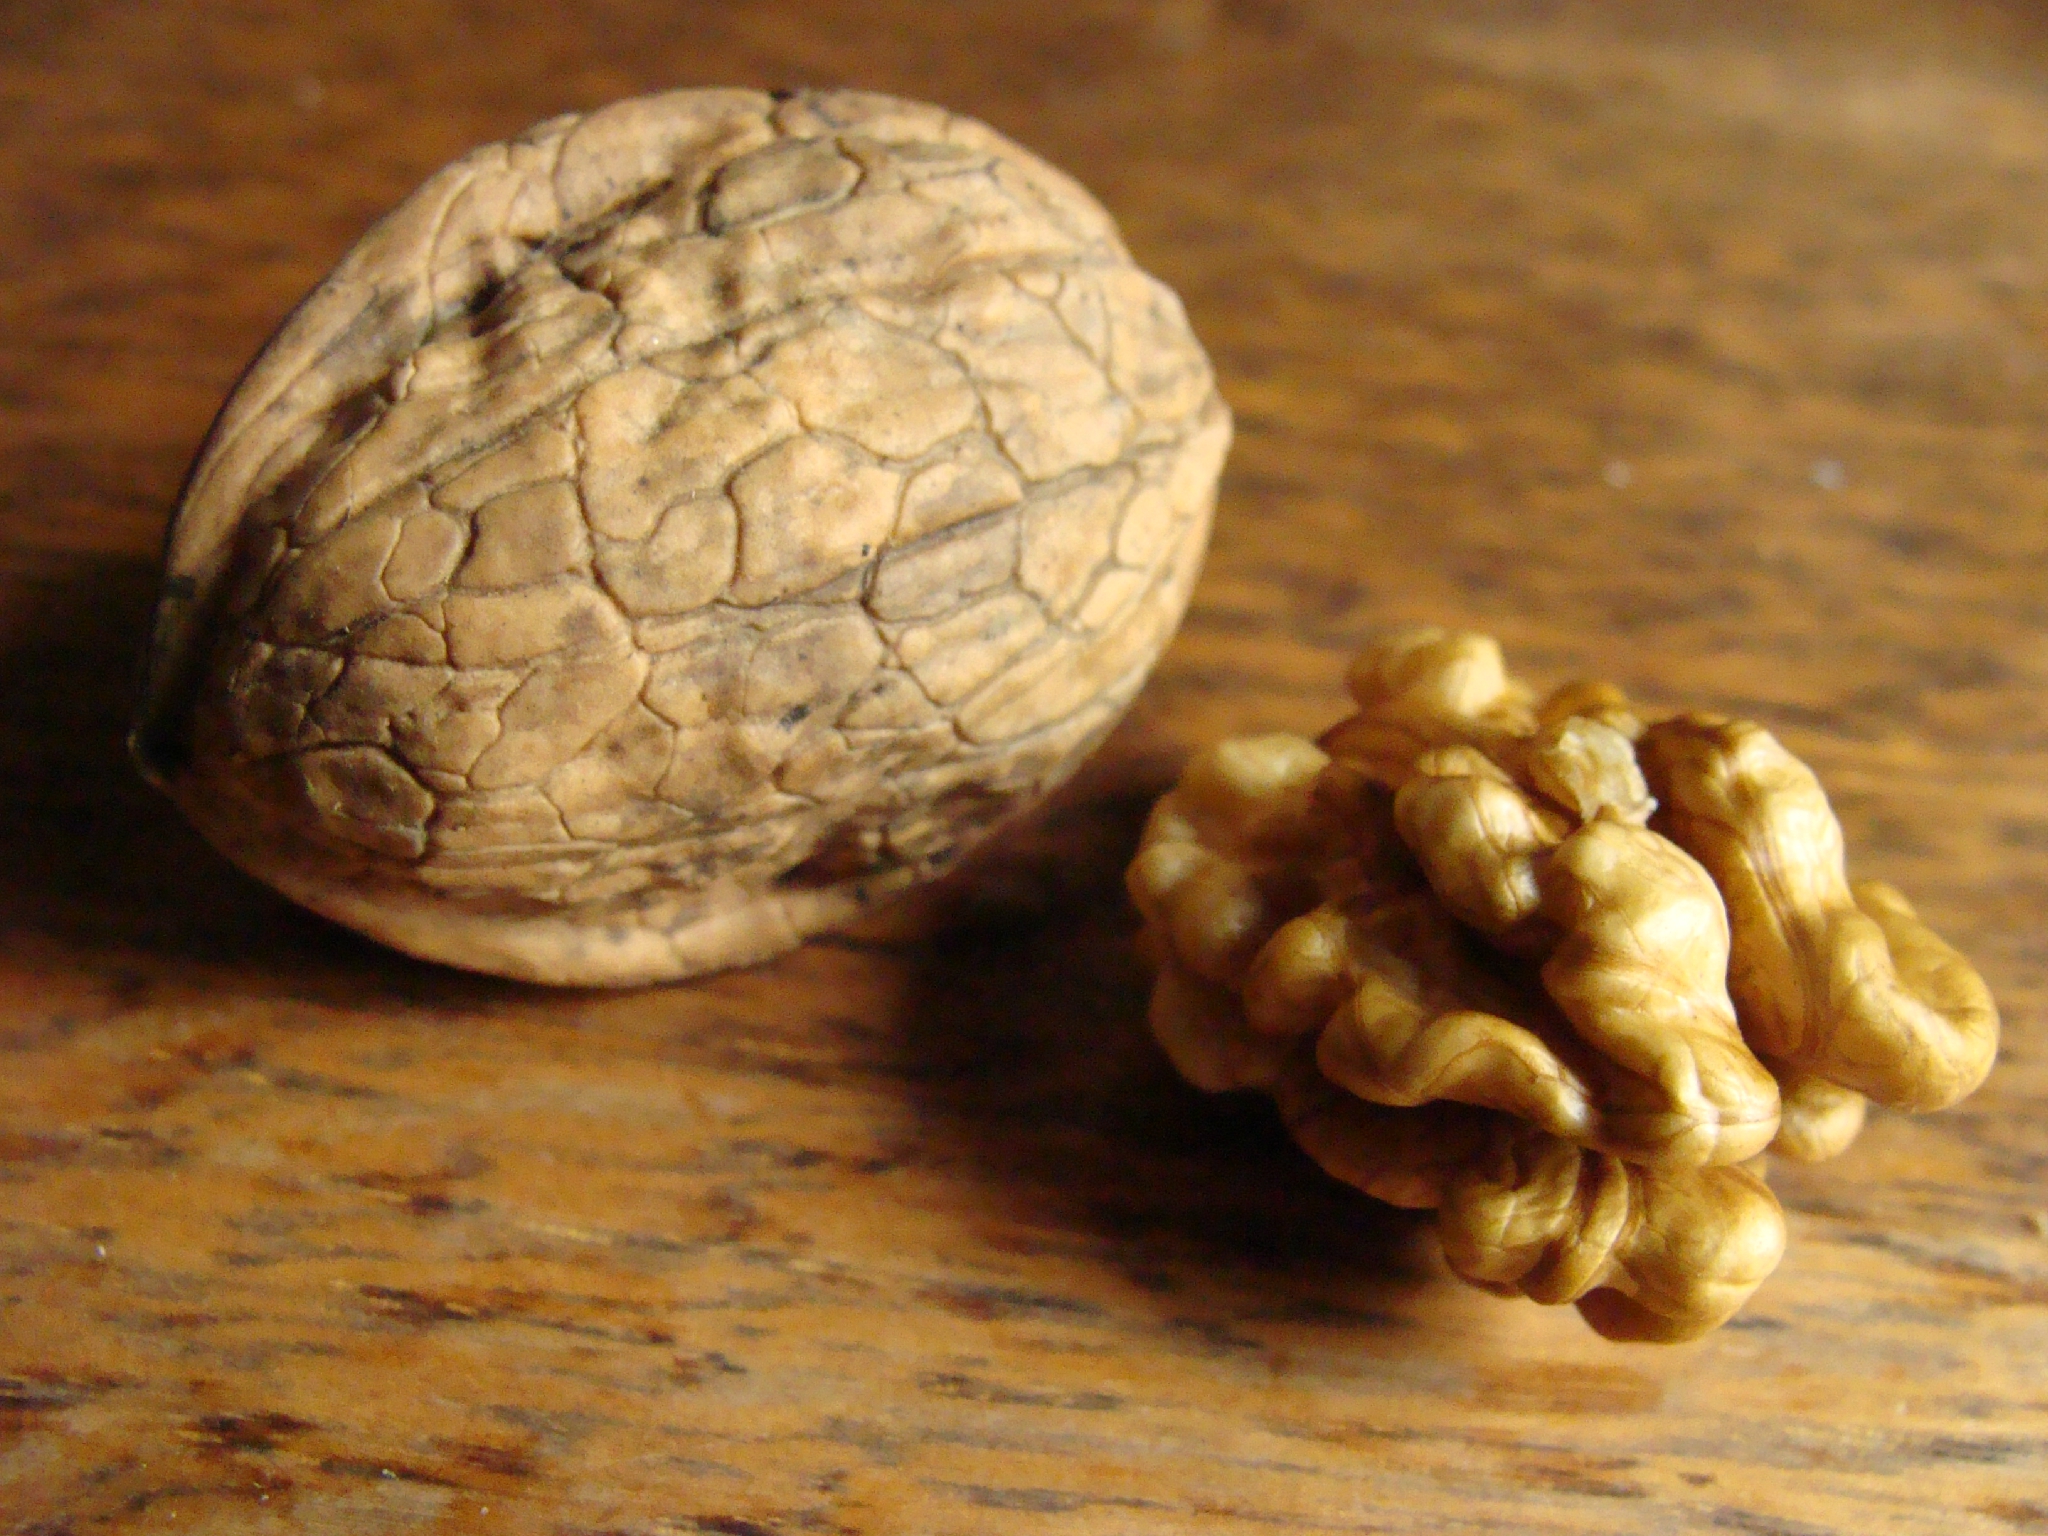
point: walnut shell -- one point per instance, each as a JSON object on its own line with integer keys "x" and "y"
{"x": 675, "y": 528}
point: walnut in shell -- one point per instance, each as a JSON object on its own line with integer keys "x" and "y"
{"x": 676, "y": 528}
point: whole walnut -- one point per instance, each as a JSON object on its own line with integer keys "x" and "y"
{"x": 674, "y": 529}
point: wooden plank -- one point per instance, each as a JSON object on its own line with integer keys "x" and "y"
{"x": 1703, "y": 348}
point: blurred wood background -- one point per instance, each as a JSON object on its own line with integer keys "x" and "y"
{"x": 1703, "y": 345}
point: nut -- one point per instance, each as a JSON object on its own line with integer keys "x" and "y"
{"x": 1482, "y": 968}
{"x": 676, "y": 528}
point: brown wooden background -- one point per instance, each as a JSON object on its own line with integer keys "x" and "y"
{"x": 1702, "y": 344}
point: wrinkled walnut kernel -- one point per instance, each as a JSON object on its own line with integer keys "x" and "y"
{"x": 1558, "y": 974}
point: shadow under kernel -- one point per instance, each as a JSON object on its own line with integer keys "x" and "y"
{"x": 1030, "y": 1062}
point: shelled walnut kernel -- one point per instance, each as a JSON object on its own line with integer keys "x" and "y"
{"x": 1557, "y": 973}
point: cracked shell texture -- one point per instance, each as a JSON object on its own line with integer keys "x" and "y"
{"x": 676, "y": 528}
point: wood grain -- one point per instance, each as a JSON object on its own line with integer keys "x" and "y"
{"x": 1704, "y": 346}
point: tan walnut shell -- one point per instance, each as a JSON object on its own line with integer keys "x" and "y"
{"x": 674, "y": 529}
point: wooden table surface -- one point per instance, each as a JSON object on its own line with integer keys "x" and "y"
{"x": 1701, "y": 345}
